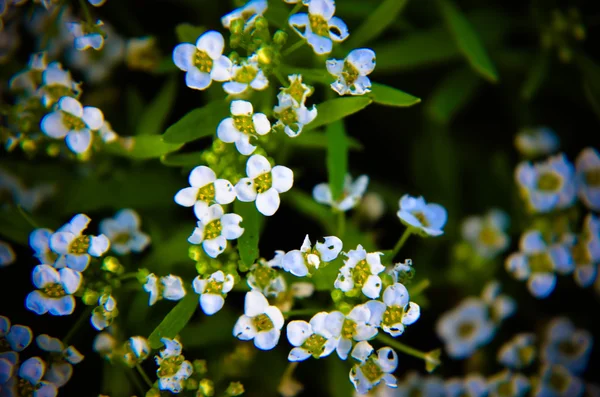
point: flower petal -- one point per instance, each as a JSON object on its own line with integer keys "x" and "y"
{"x": 255, "y": 304}
{"x": 196, "y": 79}
{"x": 261, "y": 123}
{"x": 211, "y": 303}
{"x": 224, "y": 191}
{"x": 79, "y": 141}
{"x": 246, "y": 190}
{"x": 44, "y": 275}
{"x": 186, "y": 197}
{"x": 227, "y": 132}
{"x": 241, "y": 108}
{"x": 267, "y": 203}
{"x": 257, "y": 165}
{"x": 93, "y": 118}
{"x": 298, "y": 332}
{"x": 283, "y": 178}
{"x": 212, "y": 43}
{"x": 183, "y": 56}
{"x": 53, "y": 126}
{"x": 215, "y": 247}
{"x": 201, "y": 176}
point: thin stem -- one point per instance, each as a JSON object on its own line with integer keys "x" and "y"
{"x": 27, "y": 217}
{"x": 420, "y": 287}
{"x": 144, "y": 375}
{"x": 127, "y": 276}
{"x": 401, "y": 242}
{"x": 341, "y": 224}
{"x": 86, "y": 313}
{"x": 300, "y": 312}
{"x": 280, "y": 77}
{"x": 136, "y": 382}
{"x": 86, "y": 12}
{"x": 402, "y": 347}
{"x": 292, "y": 48}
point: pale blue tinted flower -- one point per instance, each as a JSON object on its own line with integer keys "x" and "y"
{"x": 28, "y": 80}
{"x": 351, "y": 195}
{"x": 31, "y": 371}
{"x": 351, "y": 73}
{"x": 301, "y": 262}
{"x": 428, "y": 219}
{"x": 124, "y": 233}
{"x": 540, "y": 141}
{"x": 515, "y": 384}
{"x": 57, "y": 83}
{"x": 248, "y": 13}
{"x": 55, "y": 289}
{"x": 586, "y": 252}
{"x": 548, "y": 185}
{"x": 178, "y": 370}
{"x": 373, "y": 367}
{"x": 17, "y": 336}
{"x": 246, "y": 74}
{"x": 319, "y": 27}
{"x": 354, "y": 326}
{"x": 471, "y": 386}
{"x": 519, "y": 352}
{"x": 566, "y": 345}
{"x": 104, "y": 313}
{"x": 361, "y": 270}
{"x": 556, "y": 381}
{"x": 214, "y": 229}
{"x": 395, "y": 312}
{"x": 168, "y": 287}
{"x": 465, "y": 328}
{"x": 86, "y": 36}
{"x": 7, "y": 255}
{"x": 39, "y": 241}
{"x": 6, "y": 370}
{"x": 588, "y": 177}
{"x": 415, "y": 384}
{"x": 243, "y": 125}
{"x": 212, "y": 291}
{"x": 292, "y": 118}
{"x": 312, "y": 338}
{"x": 487, "y": 234}
{"x": 500, "y": 306}
{"x": 260, "y": 322}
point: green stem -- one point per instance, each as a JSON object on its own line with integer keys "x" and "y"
{"x": 86, "y": 12}
{"x": 300, "y": 312}
{"x": 341, "y": 224}
{"x": 402, "y": 347}
{"x": 401, "y": 242}
{"x": 292, "y": 48}
{"x": 27, "y": 217}
{"x": 420, "y": 287}
{"x": 82, "y": 318}
{"x": 144, "y": 375}
{"x": 136, "y": 382}
{"x": 127, "y": 276}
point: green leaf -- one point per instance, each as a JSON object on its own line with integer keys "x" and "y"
{"x": 14, "y": 226}
{"x": 181, "y": 159}
{"x": 154, "y": 116}
{"x": 135, "y": 107}
{"x": 165, "y": 66}
{"x": 336, "y": 109}
{"x": 376, "y": 22}
{"x": 173, "y": 249}
{"x": 142, "y": 147}
{"x": 535, "y": 77}
{"x": 248, "y": 242}
{"x": 452, "y": 94}
{"x": 211, "y": 331}
{"x": 198, "y": 123}
{"x": 337, "y": 157}
{"x": 468, "y": 41}
{"x": 309, "y": 75}
{"x": 174, "y": 322}
{"x": 315, "y": 140}
{"x": 188, "y": 33}
{"x": 390, "y": 96}
{"x": 306, "y": 205}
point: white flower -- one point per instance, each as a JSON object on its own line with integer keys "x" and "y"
{"x": 319, "y": 27}
{"x": 74, "y": 123}
{"x": 170, "y": 288}
{"x": 588, "y": 177}
{"x": 213, "y": 290}
{"x": 104, "y": 344}
{"x": 57, "y": 83}
{"x": 260, "y": 322}
{"x": 30, "y": 377}
{"x": 557, "y": 380}
{"x": 39, "y": 240}
{"x": 311, "y": 339}
{"x": 429, "y": 219}
{"x": 18, "y": 337}
{"x": 347, "y": 328}
{"x": 487, "y": 234}
{"x": 246, "y": 74}
{"x": 76, "y": 248}
{"x": 173, "y": 369}
{"x": 500, "y": 306}
{"x": 473, "y": 385}
{"x": 351, "y": 195}
{"x": 62, "y": 359}
{"x": 248, "y": 13}
{"x": 566, "y": 345}
{"x": 351, "y": 73}
{"x": 7, "y": 368}
{"x": 104, "y": 313}
{"x": 395, "y": 312}
{"x": 205, "y": 189}
{"x": 124, "y": 233}
{"x": 55, "y": 290}
{"x": 137, "y": 350}
{"x": 361, "y": 270}
{"x": 292, "y": 118}
{"x": 97, "y": 3}
{"x": 203, "y": 62}
{"x": 540, "y": 141}
{"x": 297, "y": 91}
{"x": 307, "y": 259}
{"x": 7, "y": 255}
{"x": 86, "y": 36}
{"x": 264, "y": 184}
{"x": 264, "y": 278}
{"x": 28, "y": 80}
{"x": 214, "y": 229}
{"x": 519, "y": 352}
{"x": 373, "y": 368}
{"x": 243, "y": 125}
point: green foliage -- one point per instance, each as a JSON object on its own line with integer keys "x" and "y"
{"x": 155, "y": 115}
{"x": 337, "y": 157}
{"x": 376, "y": 22}
{"x": 336, "y": 109}
{"x": 390, "y": 96}
{"x": 315, "y": 140}
{"x": 188, "y": 33}
{"x": 181, "y": 159}
{"x": 536, "y": 76}
{"x": 452, "y": 94}
{"x": 142, "y": 147}
{"x": 174, "y": 322}
{"x": 248, "y": 242}
{"x": 198, "y": 123}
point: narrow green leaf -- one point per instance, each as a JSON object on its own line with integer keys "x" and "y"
{"x": 376, "y": 22}
{"x": 336, "y": 109}
{"x": 248, "y": 242}
{"x": 309, "y": 75}
{"x": 165, "y": 66}
{"x": 14, "y": 227}
{"x": 135, "y": 106}
{"x": 306, "y": 205}
{"x": 174, "y": 322}
{"x": 315, "y": 140}
{"x": 142, "y": 147}
{"x": 390, "y": 96}
{"x": 468, "y": 41}
{"x": 181, "y": 159}
{"x": 535, "y": 77}
{"x": 452, "y": 94}
{"x": 154, "y": 116}
{"x": 188, "y": 33}
{"x": 211, "y": 331}
{"x": 198, "y": 123}
{"x": 337, "y": 157}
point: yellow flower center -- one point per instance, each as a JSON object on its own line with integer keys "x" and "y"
{"x": 361, "y": 273}
{"x": 262, "y": 322}
{"x": 569, "y": 348}
{"x": 79, "y": 245}
{"x": 506, "y": 388}
{"x": 466, "y": 330}
{"x": 206, "y": 193}
{"x": 581, "y": 254}
{"x": 57, "y": 91}
{"x": 526, "y": 354}
{"x": 549, "y": 182}
{"x": 349, "y": 73}
{"x": 371, "y": 370}
{"x": 421, "y": 218}
{"x": 488, "y": 236}
{"x": 263, "y": 275}
{"x": 121, "y": 238}
{"x": 4, "y": 345}
{"x": 559, "y": 381}
{"x": 288, "y": 116}
{"x": 214, "y": 287}
{"x": 263, "y": 182}
{"x": 318, "y": 25}
{"x": 540, "y": 262}
{"x": 297, "y": 91}
{"x": 72, "y": 122}
{"x": 54, "y": 290}
{"x": 246, "y": 74}
{"x": 393, "y": 315}
{"x": 203, "y": 62}
{"x": 170, "y": 366}
{"x": 315, "y": 344}
{"x": 25, "y": 388}
{"x": 244, "y": 124}
{"x": 213, "y": 229}
{"x": 348, "y": 329}
{"x": 592, "y": 177}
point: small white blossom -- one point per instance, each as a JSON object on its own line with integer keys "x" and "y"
{"x": 260, "y": 322}
{"x": 57, "y": 83}
{"x": 297, "y": 91}
{"x": 500, "y": 306}
{"x": 124, "y": 233}
{"x": 264, "y": 184}
{"x": 205, "y": 189}
{"x": 319, "y": 27}
{"x": 7, "y": 255}
{"x": 539, "y": 141}
{"x": 243, "y": 125}
{"x": 104, "y": 344}
{"x": 30, "y": 376}
{"x": 173, "y": 370}
{"x": 473, "y": 385}
{"x": 137, "y": 349}
{"x": 361, "y": 270}
{"x": 62, "y": 359}
{"x": 74, "y": 123}
{"x": 28, "y": 80}
{"x": 203, "y": 62}
{"x": 104, "y": 313}
{"x": 86, "y": 36}
{"x": 55, "y": 290}
{"x": 39, "y": 241}
{"x": 519, "y": 352}
{"x": 429, "y": 219}
{"x": 248, "y": 13}
{"x": 351, "y": 73}
{"x": 170, "y": 287}
{"x": 18, "y": 337}
{"x": 265, "y": 278}
{"x": 566, "y": 345}
{"x": 373, "y": 367}
{"x": 588, "y": 177}
{"x": 557, "y": 380}
{"x": 213, "y": 291}
{"x": 308, "y": 259}
{"x": 214, "y": 229}
{"x": 311, "y": 339}
{"x": 395, "y": 312}
{"x": 290, "y": 117}
{"x": 351, "y": 194}
{"x": 353, "y": 326}
{"x": 246, "y": 74}
{"x": 487, "y": 234}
